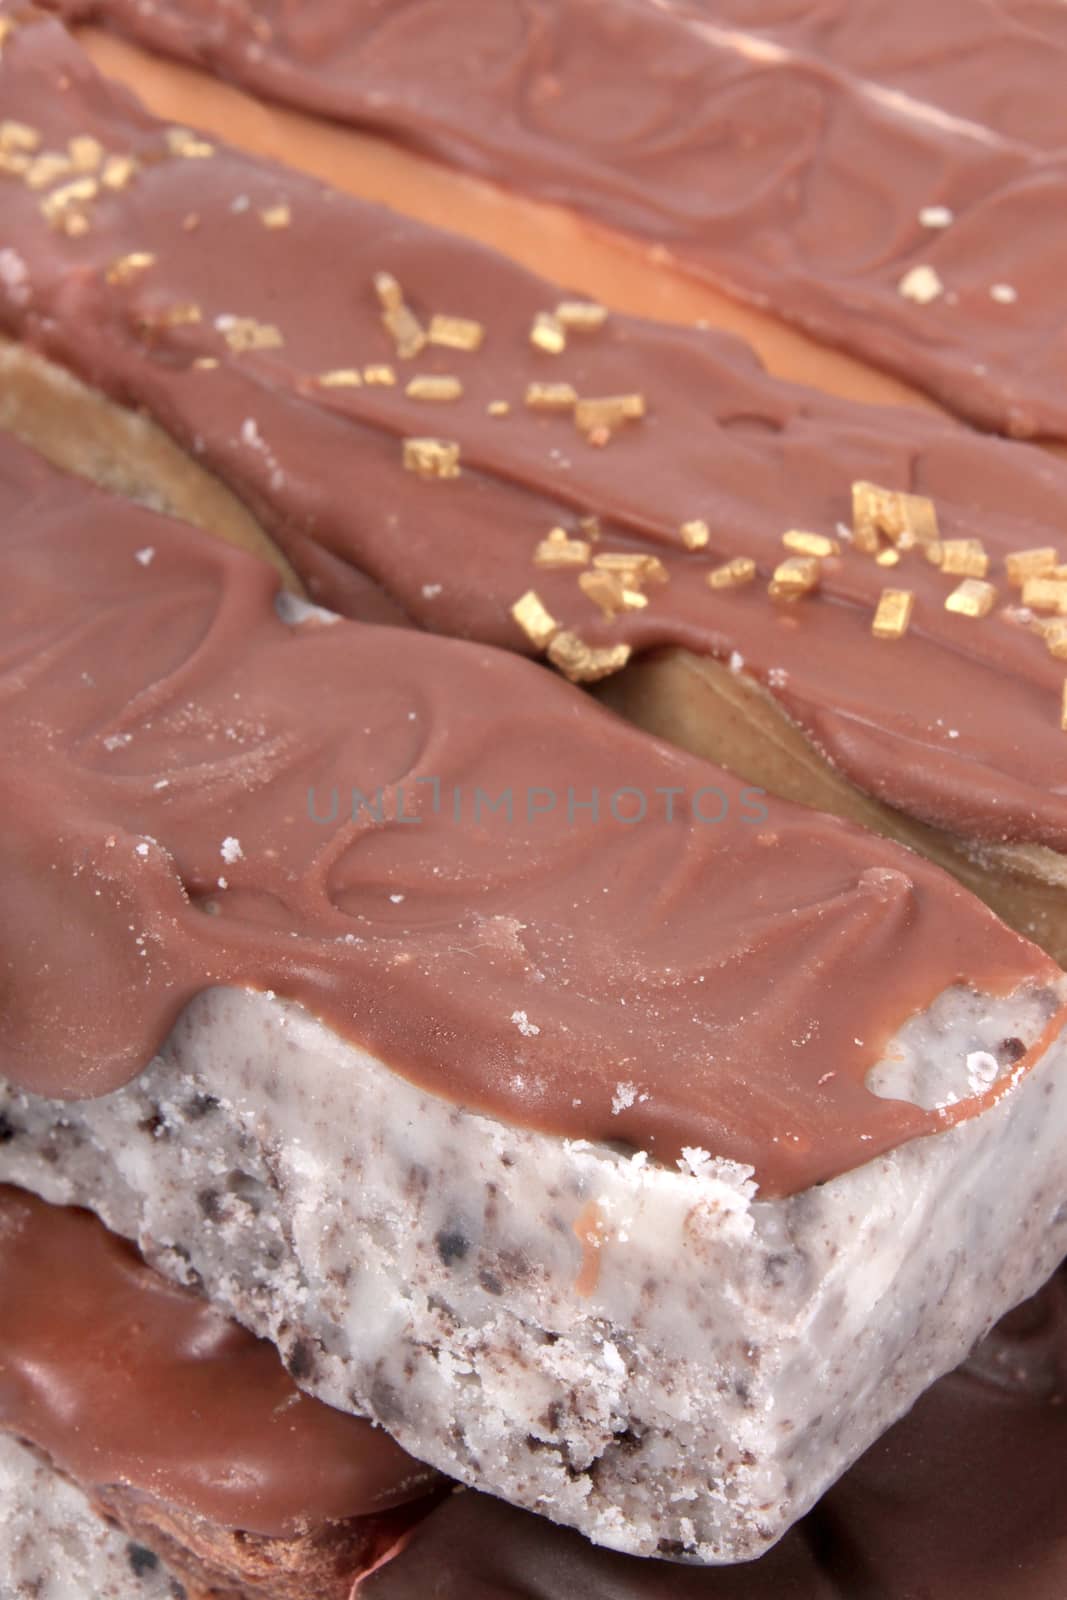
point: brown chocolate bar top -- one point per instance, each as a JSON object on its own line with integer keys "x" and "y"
{"x": 397, "y": 402}
{"x": 127, "y": 1380}
{"x": 890, "y": 178}
{"x": 453, "y": 857}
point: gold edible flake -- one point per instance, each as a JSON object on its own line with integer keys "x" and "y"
{"x": 548, "y": 333}
{"x": 904, "y": 519}
{"x": 536, "y": 622}
{"x": 632, "y": 568}
{"x": 19, "y": 136}
{"x": 560, "y": 550}
{"x": 890, "y": 557}
{"x": 1023, "y": 564}
{"x": 340, "y": 378}
{"x": 796, "y": 576}
{"x": 180, "y": 315}
{"x": 117, "y": 171}
{"x": 581, "y": 316}
{"x": 206, "y": 363}
{"x": 1055, "y": 634}
{"x": 432, "y": 458}
{"x": 126, "y": 268}
{"x": 57, "y": 205}
{"x": 86, "y": 153}
{"x": 46, "y": 169}
{"x": 456, "y": 333}
{"x": 921, "y": 284}
{"x": 600, "y": 417}
{"x": 733, "y": 574}
{"x": 400, "y": 321}
{"x": 972, "y": 598}
{"x": 695, "y": 534}
{"x": 892, "y": 618}
{"x": 7, "y": 28}
{"x": 498, "y": 408}
{"x": 810, "y": 544}
{"x": 559, "y": 397}
{"x": 390, "y": 295}
{"x": 183, "y": 142}
{"x": 1046, "y": 594}
{"x": 959, "y": 558}
{"x": 381, "y": 376}
{"x": 245, "y": 333}
{"x": 278, "y": 216}
{"x": 610, "y": 593}
{"x": 406, "y": 330}
{"x": 583, "y": 663}
{"x": 429, "y": 387}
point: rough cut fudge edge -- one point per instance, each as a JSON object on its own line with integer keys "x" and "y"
{"x": 54, "y": 1545}
{"x": 648, "y": 1355}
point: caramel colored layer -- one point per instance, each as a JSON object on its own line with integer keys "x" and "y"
{"x": 956, "y": 724}
{"x": 197, "y": 792}
{"x": 134, "y": 1385}
{"x": 794, "y": 155}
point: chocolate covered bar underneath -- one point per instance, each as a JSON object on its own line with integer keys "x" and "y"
{"x": 488, "y": 1172}
{"x": 483, "y": 481}
{"x": 176, "y": 1426}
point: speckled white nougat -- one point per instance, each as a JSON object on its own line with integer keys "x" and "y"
{"x": 658, "y": 1357}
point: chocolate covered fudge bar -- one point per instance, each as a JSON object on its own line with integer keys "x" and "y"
{"x": 627, "y": 1142}
{"x": 892, "y": 179}
{"x": 963, "y": 1498}
{"x": 126, "y": 1397}
{"x": 863, "y": 605}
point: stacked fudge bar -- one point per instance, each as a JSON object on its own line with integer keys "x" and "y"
{"x": 593, "y": 1149}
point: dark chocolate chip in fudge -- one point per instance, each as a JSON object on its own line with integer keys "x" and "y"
{"x": 300, "y": 1361}
{"x": 208, "y": 1201}
{"x": 452, "y": 1246}
{"x": 1009, "y": 1051}
{"x": 141, "y": 1561}
{"x": 201, "y": 1105}
{"x": 7, "y": 1130}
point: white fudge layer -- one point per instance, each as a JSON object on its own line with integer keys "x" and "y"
{"x": 689, "y": 1387}
{"x": 54, "y": 1546}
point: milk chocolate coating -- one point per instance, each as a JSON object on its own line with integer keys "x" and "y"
{"x": 785, "y": 151}
{"x": 958, "y": 724}
{"x": 177, "y": 795}
{"x": 962, "y": 1500}
{"x": 126, "y": 1380}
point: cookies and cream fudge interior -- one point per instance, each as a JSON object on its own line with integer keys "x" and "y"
{"x": 847, "y": 606}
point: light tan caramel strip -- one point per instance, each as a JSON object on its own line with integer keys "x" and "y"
{"x": 699, "y": 704}
{"x": 606, "y": 267}
{"x": 77, "y": 429}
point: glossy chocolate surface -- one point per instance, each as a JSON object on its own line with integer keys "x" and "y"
{"x": 197, "y": 792}
{"x": 787, "y": 150}
{"x": 958, "y": 724}
{"x": 126, "y": 1380}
